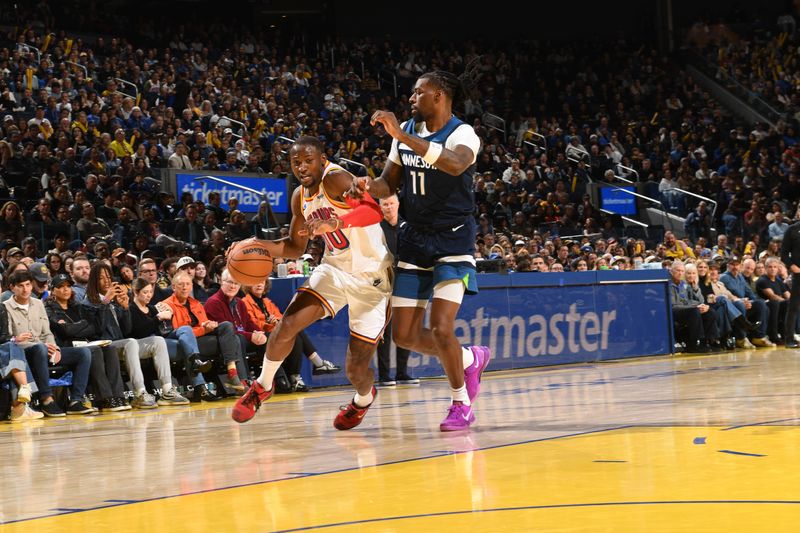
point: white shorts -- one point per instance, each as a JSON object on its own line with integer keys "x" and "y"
{"x": 368, "y": 297}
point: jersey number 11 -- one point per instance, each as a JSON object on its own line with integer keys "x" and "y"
{"x": 421, "y": 176}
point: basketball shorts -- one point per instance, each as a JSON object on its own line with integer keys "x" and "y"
{"x": 425, "y": 246}
{"x": 430, "y": 261}
{"x": 368, "y": 297}
{"x": 415, "y": 286}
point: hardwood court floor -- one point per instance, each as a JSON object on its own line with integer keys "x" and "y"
{"x": 660, "y": 444}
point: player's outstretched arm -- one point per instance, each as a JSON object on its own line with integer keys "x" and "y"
{"x": 382, "y": 187}
{"x": 453, "y": 162}
{"x": 364, "y": 211}
{"x": 294, "y": 245}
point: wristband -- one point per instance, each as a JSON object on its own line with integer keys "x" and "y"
{"x": 433, "y": 153}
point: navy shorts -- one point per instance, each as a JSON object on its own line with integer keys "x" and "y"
{"x": 427, "y": 258}
{"x": 423, "y": 246}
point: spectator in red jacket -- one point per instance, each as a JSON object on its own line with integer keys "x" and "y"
{"x": 226, "y": 306}
{"x": 214, "y": 338}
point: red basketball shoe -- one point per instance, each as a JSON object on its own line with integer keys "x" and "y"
{"x": 350, "y": 415}
{"x": 247, "y": 405}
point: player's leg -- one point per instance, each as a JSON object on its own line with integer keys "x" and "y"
{"x": 413, "y": 289}
{"x": 369, "y": 314}
{"x": 452, "y": 282}
{"x": 304, "y": 310}
{"x": 448, "y": 349}
{"x": 322, "y": 295}
{"x": 463, "y": 366}
{"x": 359, "y": 355}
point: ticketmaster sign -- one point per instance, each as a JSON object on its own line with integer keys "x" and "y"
{"x": 531, "y": 319}
{"x": 274, "y": 188}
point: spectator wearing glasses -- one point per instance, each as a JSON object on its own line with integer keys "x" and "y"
{"x": 147, "y": 270}
{"x": 215, "y": 339}
{"x": 226, "y": 306}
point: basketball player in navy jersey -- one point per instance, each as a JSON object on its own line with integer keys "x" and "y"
{"x": 432, "y": 161}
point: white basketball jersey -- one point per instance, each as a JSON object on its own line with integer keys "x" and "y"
{"x": 355, "y": 250}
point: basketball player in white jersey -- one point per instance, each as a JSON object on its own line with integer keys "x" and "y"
{"x": 355, "y": 272}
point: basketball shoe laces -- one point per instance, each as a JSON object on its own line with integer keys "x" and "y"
{"x": 251, "y": 398}
{"x": 350, "y": 410}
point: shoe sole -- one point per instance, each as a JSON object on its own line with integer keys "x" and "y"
{"x": 169, "y": 404}
{"x": 242, "y": 419}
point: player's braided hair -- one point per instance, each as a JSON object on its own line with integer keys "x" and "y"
{"x": 456, "y": 87}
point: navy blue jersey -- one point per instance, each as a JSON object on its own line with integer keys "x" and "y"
{"x": 430, "y": 197}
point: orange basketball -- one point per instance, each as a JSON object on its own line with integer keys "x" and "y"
{"x": 249, "y": 263}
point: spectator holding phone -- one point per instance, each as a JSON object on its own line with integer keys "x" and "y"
{"x": 108, "y": 305}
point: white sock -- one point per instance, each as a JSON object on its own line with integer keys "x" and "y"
{"x": 363, "y": 401}
{"x": 460, "y": 395}
{"x": 469, "y": 357}
{"x": 268, "y": 372}
{"x": 141, "y": 391}
{"x": 166, "y": 387}
{"x": 315, "y": 359}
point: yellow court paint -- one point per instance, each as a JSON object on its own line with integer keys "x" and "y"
{"x": 650, "y": 479}
{"x": 653, "y": 445}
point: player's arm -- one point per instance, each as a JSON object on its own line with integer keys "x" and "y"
{"x": 453, "y": 162}
{"x": 364, "y": 211}
{"x": 387, "y": 184}
{"x": 294, "y": 245}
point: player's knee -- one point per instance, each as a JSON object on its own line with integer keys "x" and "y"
{"x": 290, "y": 326}
{"x": 403, "y": 338}
{"x": 441, "y": 332}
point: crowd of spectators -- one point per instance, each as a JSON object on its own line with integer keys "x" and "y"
{"x": 765, "y": 63}
{"x": 82, "y": 154}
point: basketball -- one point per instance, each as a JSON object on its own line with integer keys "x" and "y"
{"x": 249, "y": 263}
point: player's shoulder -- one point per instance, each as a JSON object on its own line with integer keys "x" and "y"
{"x": 465, "y": 129}
{"x": 464, "y": 134}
